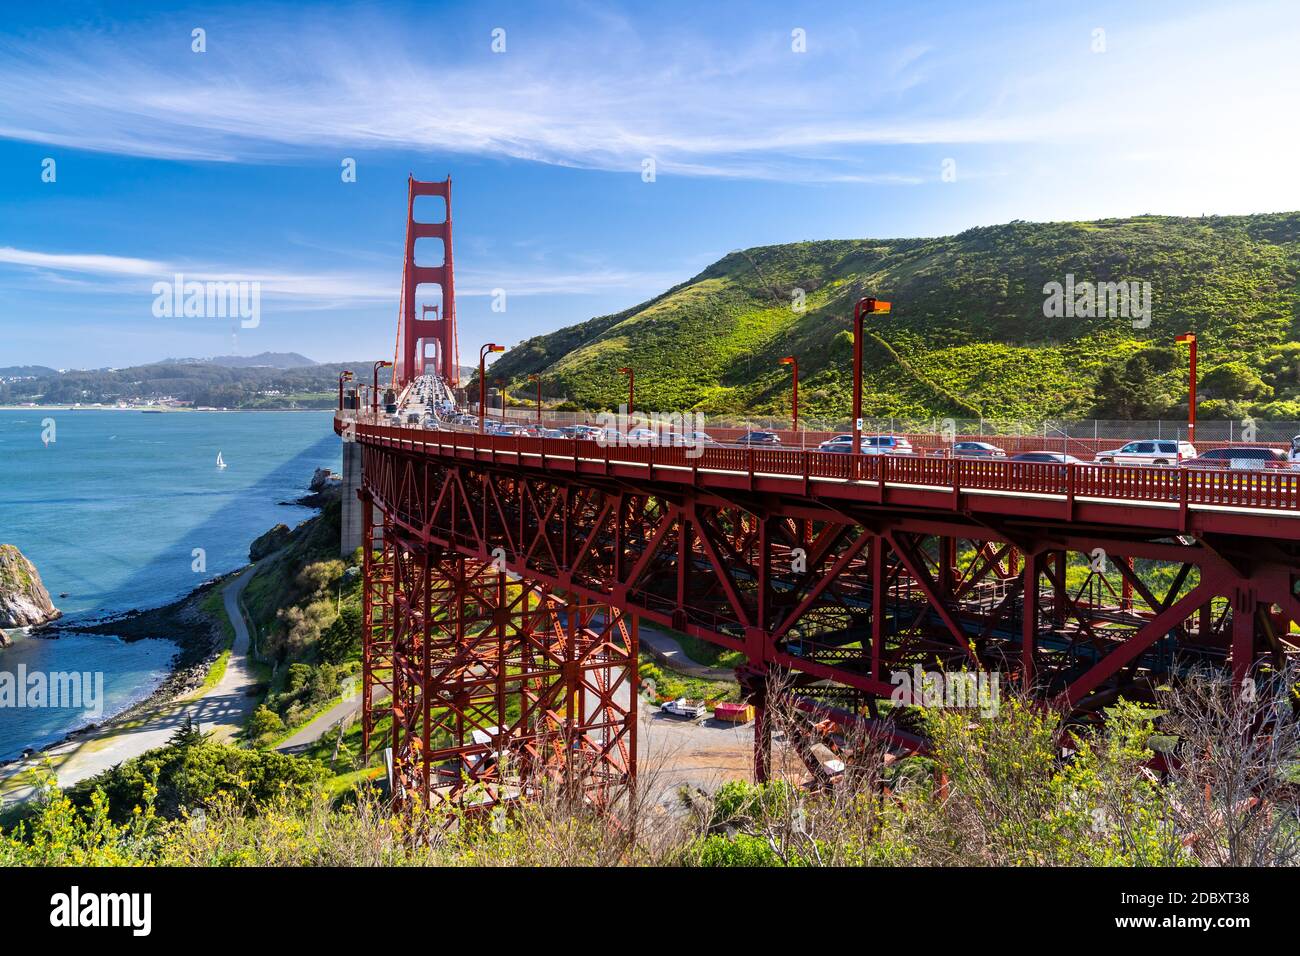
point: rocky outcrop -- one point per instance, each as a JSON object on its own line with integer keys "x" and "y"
{"x": 273, "y": 540}
{"x": 323, "y": 478}
{"x": 24, "y": 602}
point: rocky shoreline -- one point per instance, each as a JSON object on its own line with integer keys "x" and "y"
{"x": 200, "y": 636}
{"x": 24, "y": 602}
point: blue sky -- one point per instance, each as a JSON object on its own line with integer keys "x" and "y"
{"x": 226, "y": 163}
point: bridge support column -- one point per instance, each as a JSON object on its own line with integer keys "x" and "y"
{"x": 754, "y": 689}
{"x": 500, "y": 686}
{"x": 351, "y": 520}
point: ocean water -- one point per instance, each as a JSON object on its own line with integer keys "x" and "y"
{"x": 126, "y": 510}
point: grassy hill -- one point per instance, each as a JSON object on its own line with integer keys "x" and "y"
{"x": 968, "y": 333}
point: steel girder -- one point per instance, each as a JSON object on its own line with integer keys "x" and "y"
{"x": 853, "y": 593}
{"x": 482, "y": 686}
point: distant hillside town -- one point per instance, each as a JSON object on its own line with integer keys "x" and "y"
{"x": 271, "y": 380}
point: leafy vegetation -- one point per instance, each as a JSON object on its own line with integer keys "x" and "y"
{"x": 995, "y": 791}
{"x": 305, "y": 604}
{"x": 967, "y": 333}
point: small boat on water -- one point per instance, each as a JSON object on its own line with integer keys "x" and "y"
{"x": 220, "y": 463}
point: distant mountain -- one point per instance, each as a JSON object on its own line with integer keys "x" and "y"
{"x": 215, "y": 383}
{"x": 27, "y": 371}
{"x": 280, "y": 360}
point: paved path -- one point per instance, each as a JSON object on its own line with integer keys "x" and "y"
{"x": 326, "y": 721}
{"x": 665, "y": 648}
{"x": 220, "y": 710}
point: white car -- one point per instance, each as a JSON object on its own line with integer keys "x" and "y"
{"x": 1155, "y": 451}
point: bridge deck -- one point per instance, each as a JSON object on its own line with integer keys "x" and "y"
{"x": 1156, "y": 498}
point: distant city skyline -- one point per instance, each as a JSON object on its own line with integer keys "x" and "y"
{"x": 599, "y": 154}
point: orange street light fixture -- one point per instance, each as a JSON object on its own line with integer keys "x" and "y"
{"x": 1189, "y": 339}
{"x": 482, "y": 380}
{"x": 344, "y": 376}
{"x": 864, "y": 307}
{"x": 534, "y": 377}
{"x": 631, "y": 389}
{"x": 793, "y": 362}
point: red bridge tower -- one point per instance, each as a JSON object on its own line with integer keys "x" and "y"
{"x": 414, "y": 334}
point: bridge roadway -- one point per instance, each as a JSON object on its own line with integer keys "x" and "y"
{"x": 1154, "y": 498}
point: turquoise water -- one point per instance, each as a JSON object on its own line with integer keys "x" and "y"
{"x": 111, "y": 513}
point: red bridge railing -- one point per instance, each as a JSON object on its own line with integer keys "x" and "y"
{"x": 1273, "y": 490}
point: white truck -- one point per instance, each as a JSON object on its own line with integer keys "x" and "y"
{"x": 685, "y": 707}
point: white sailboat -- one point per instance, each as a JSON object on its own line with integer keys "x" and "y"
{"x": 220, "y": 463}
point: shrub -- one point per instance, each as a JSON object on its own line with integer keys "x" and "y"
{"x": 264, "y": 722}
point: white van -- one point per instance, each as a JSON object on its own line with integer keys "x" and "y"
{"x": 1154, "y": 451}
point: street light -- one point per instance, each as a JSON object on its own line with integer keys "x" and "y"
{"x": 1189, "y": 339}
{"x": 374, "y": 395}
{"x": 534, "y": 377}
{"x": 631, "y": 389}
{"x": 793, "y": 362}
{"x": 500, "y": 383}
{"x": 867, "y": 306}
{"x": 344, "y": 376}
{"x": 482, "y": 380}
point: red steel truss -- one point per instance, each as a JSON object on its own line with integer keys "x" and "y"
{"x": 844, "y": 582}
{"x": 480, "y": 683}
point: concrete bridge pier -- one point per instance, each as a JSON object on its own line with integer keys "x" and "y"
{"x": 352, "y": 520}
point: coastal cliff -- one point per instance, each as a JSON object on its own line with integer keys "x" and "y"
{"x": 24, "y": 602}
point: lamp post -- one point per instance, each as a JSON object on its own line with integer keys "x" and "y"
{"x": 631, "y": 389}
{"x": 374, "y": 394}
{"x": 500, "y": 383}
{"x": 344, "y": 376}
{"x": 482, "y": 381}
{"x": 1189, "y": 339}
{"x": 534, "y": 377}
{"x": 867, "y": 306}
{"x": 793, "y": 362}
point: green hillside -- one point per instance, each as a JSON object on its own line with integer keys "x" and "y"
{"x": 967, "y": 334}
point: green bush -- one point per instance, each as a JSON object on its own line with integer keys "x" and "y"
{"x": 264, "y": 722}
{"x": 188, "y": 776}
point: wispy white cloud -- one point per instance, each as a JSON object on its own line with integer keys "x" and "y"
{"x": 124, "y": 274}
{"x": 93, "y": 263}
{"x": 594, "y": 99}
{"x": 868, "y": 103}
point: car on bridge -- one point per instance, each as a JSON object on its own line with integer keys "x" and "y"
{"x": 579, "y": 431}
{"x": 1241, "y": 458}
{"x": 870, "y": 445}
{"x": 1048, "y": 457}
{"x": 1154, "y": 451}
{"x": 643, "y": 436}
{"x": 977, "y": 449}
{"x": 759, "y": 438}
{"x": 680, "y": 439}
